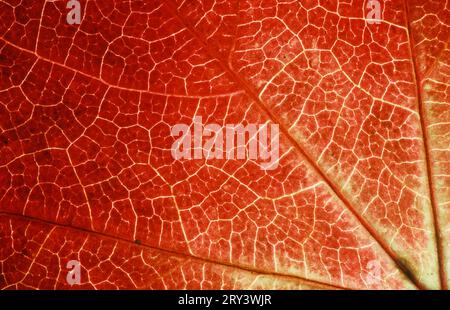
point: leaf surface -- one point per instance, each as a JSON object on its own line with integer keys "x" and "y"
{"x": 360, "y": 198}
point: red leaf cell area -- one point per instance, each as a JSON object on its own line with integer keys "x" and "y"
{"x": 358, "y": 198}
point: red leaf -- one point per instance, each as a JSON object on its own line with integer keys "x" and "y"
{"x": 359, "y": 198}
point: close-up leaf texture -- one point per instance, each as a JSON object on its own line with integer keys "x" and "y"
{"x": 360, "y": 198}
